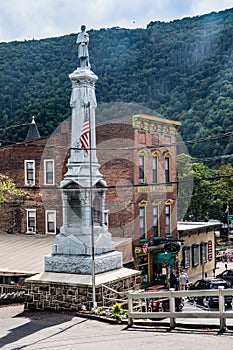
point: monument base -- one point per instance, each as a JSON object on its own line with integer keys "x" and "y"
{"x": 81, "y": 264}
{"x": 62, "y": 291}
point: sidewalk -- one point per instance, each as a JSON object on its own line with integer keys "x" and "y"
{"x": 53, "y": 331}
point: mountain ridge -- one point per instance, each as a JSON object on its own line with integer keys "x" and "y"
{"x": 181, "y": 69}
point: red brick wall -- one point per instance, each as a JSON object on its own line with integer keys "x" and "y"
{"x": 120, "y": 166}
{"x": 41, "y": 197}
{"x": 117, "y": 152}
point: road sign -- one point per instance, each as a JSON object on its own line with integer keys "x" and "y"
{"x": 229, "y": 217}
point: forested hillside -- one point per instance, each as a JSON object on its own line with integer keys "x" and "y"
{"x": 181, "y": 69}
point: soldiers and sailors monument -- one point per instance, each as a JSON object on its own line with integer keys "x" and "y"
{"x": 83, "y": 257}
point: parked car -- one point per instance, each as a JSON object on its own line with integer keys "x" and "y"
{"x": 205, "y": 284}
{"x": 162, "y": 304}
{"x": 227, "y": 275}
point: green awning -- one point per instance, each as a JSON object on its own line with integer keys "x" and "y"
{"x": 163, "y": 258}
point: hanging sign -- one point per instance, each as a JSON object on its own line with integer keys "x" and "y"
{"x": 172, "y": 247}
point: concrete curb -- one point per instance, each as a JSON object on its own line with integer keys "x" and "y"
{"x": 151, "y": 323}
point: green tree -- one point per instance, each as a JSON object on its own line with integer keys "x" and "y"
{"x": 212, "y": 190}
{"x": 201, "y": 200}
{"x": 8, "y": 189}
{"x": 223, "y": 191}
{"x": 185, "y": 184}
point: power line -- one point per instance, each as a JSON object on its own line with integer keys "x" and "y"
{"x": 14, "y": 126}
{"x": 187, "y": 142}
{"x": 145, "y": 185}
{"x": 212, "y": 158}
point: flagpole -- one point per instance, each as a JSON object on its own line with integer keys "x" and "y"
{"x": 92, "y": 219}
{"x": 228, "y": 222}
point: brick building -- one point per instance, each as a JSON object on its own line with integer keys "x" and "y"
{"x": 36, "y": 166}
{"x": 138, "y": 161}
{"x": 137, "y": 156}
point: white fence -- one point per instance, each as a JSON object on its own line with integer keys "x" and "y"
{"x": 141, "y": 298}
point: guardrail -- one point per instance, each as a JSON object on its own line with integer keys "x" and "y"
{"x": 111, "y": 296}
{"x": 11, "y": 294}
{"x": 9, "y": 288}
{"x": 142, "y": 297}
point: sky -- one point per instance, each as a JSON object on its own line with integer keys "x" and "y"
{"x": 39, "y": 19}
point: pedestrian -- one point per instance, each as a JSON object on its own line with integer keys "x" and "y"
{"x": 173, "y": 283}
{"x": 183, "y": 280}
{"x": 224, "y": 257}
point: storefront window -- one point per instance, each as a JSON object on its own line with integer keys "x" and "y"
{"x": 195, "y": 254}
{"x": 186, "y": 257}
{"x": 203, "y": 252}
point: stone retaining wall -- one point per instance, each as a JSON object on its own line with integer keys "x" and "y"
{"x": 64, "y": 296}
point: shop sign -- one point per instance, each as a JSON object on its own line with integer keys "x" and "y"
{"x": 172, "y": 247}
{"x": 145, "y": 248}
{"x": 210, "y": 250}
{"x": 141, "y": 249}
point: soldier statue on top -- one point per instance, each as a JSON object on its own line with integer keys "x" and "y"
{"x": 82, "y": 41}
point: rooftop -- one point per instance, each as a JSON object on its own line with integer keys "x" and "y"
{"x": 188, "y": 225}
{"x": 22, "y": 254}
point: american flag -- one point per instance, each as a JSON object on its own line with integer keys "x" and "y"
{"x": 84, "y": 137}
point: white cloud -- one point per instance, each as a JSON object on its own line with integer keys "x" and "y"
{"x": 207, "y": 6}
{"x": 20, "y": 19}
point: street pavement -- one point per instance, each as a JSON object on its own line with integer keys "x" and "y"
{"x": 54, "y": 331}
{"x": 39, "y": 330}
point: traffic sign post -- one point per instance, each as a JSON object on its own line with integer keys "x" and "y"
{"x": 229, "y": 220}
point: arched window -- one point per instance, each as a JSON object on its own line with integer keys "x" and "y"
{"x": 142, "y": 219}
{"x": 167, "y": 167}
{"x": 168, "y": 214}
{"x": 156, "y": 221}
{"x": 142, "y": 166}
{"x": 155, "y": 156}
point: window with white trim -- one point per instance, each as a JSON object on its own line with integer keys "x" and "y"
{"x": 31, "y": 220}
{"x": 29, "y": 172}
{"x": 51, "y": 221}
{"x": 49, "y": 171}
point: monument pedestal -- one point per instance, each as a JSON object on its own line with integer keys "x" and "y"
{"x": 83, "y": 264}
{"x": 64, "y": 291}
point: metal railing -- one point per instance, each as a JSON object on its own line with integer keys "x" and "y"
{"x": 111, "y": 296}
{"x": 9, "y": 288}
{"x": 11, "y": 294}
{"x": 221, "y": 313}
